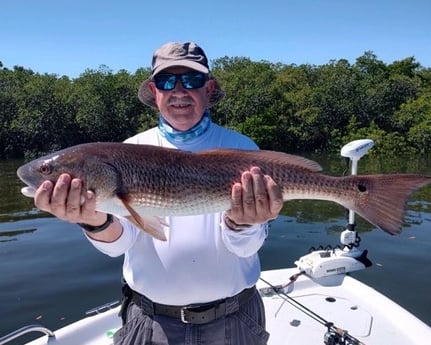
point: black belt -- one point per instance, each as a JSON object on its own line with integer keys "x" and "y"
{"x": 195, "y": 313}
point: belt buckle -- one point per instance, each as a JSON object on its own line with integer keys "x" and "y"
{"x": 183, "y": 314}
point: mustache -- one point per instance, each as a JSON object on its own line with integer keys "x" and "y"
{"x": 180, "y": 100}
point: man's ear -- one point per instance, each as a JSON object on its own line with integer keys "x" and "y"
{"x": 210, "y": 87}
{"x": 152, "y": 88}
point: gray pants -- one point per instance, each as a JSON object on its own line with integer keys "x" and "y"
{"x": 242, "y": 325}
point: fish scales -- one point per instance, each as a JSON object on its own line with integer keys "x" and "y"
{"x": 136, "y": 180}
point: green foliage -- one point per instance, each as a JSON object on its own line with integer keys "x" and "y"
{"x": 107, "y": 105}
{"x": 282, "y": 107}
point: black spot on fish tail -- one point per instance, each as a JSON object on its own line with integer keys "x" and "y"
{"x": 362, "y": 188}
{"x": 383, "y": 198}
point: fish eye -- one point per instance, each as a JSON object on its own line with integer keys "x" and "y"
{"x": 45, "y": 169}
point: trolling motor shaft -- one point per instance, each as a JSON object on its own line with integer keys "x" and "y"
{"x": 323, "y": 263}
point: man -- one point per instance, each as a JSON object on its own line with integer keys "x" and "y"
{"x": 199, "y": 285}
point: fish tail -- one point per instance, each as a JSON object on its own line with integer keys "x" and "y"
{"x": 383, "y": 198}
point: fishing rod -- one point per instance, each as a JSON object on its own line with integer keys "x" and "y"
{"x": 334, "y": 335}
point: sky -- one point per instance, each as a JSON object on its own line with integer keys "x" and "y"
{"x": 68, "y": 37}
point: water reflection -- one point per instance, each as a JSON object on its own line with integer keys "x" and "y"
{"x": 13, "y": 205}
{"x": 20, "y": 215}
{"x": 12, "y": 235}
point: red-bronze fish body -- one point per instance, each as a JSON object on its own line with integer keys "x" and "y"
{"x": 144, "y": 180}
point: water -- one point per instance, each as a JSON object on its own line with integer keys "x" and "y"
{"x": 50, "y": 274}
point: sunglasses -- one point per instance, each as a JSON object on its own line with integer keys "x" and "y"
{"x": 190, "y": 80}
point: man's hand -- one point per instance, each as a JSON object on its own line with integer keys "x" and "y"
{"x": 64, "y": 200}
{"x": 256, "y": 199}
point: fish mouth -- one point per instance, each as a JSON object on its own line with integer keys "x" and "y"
{"x": 20, "y": 171}
{"x": 28, "y": 191}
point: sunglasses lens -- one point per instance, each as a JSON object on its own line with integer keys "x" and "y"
{"x": 165, "y": 81}
{"x": 190, "y": 81}
{"x": 193, "y": 80}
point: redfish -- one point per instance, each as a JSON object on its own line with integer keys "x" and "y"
{"x": 138, "y": 181}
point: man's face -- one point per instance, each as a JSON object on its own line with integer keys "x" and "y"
{"x": 182, "y": 108}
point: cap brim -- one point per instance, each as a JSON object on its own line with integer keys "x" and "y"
{"x": 184, "y": 63}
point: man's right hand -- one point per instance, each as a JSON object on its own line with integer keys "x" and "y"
{"x": 66, "y": 200}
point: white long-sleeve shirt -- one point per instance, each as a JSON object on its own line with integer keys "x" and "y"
{"x": 202, "y": 260}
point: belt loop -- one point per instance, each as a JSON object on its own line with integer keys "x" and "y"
{"x": 147, "y": 305}
{"x": 232, "y": 305}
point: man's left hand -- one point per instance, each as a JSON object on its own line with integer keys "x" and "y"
{"x": 256, "y": 200}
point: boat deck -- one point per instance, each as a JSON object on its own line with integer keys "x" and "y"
{"x": 349, "y": 304}
{"x": 363, "y": 312}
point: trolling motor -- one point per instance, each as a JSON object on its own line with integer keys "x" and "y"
{"x": 323, "y": 263}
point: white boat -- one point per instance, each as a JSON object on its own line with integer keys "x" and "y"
{"x": 330, "y": 310}
{"x": 317, "y": 302}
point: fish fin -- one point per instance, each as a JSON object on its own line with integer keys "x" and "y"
{"x": 153, "y": 226}
{"x": 149, "y": 224}
{"x": 300, "y": 162}
{"x": 161, "y": 220}
{"x": 384, "y": 198}
{"x": 265, "y": 156}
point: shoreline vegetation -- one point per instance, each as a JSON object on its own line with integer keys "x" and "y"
{"x": 290, "y": 108}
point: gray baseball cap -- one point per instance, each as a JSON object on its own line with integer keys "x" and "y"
{"x": 187, "y": 54}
